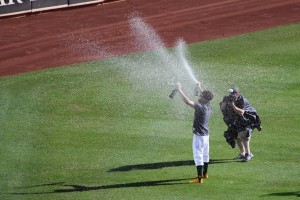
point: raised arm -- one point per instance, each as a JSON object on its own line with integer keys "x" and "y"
{"x": 183, "y": 96}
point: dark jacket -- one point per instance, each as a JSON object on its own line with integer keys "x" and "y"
{"x": 237, "y": 123}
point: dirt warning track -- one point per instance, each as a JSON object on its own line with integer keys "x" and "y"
{"x": 44, "y": 40}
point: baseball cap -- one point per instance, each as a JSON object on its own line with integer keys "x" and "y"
{"x": 234, "y": 90}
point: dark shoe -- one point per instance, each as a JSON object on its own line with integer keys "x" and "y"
{"x": 205, "y": 175}
{"x": 197, "y": 180}
{"x": 240, "y": 157}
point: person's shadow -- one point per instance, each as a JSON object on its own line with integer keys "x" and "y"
{"x": 159, "y": 165}
{"x": 82, "y": 188}
{"x": 147, "y": 166}
{"x": 283, "y": 194}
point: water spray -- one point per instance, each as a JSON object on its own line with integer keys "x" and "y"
{"x": 153, "y": 68}
{"x": 180, "y": 47}
{"x": 181, "y": 51}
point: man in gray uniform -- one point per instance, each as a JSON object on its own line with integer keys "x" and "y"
{"x": 200, "y": 129}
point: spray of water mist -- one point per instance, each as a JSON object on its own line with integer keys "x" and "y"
{"x": 153, "y": 71}
{"x": 82, "y": 45}
{"x": 161, "y": 59}
{"x": 181, "y": 48}
{"x": 158, "y": 67}
{"x": 169, "y": 64}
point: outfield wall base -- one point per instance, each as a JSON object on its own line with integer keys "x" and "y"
{"x": 12, "y": 8}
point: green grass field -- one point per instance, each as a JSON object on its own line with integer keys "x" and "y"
{"x": 91, "y": 131}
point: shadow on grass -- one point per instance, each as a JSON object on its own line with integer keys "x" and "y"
{"x": 283, "y": 194}
{"x": 159, "y": 165}
{"x": 148, "y": 166}
{"x": 42, "y": 185}
{"x": 82, "y": 188}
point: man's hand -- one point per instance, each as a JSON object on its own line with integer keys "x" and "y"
{"x": 198, "y": 85}
{"x": 236, "y": 109}
{"x": 231, "y": 104}
{"x": 178, "y": 87}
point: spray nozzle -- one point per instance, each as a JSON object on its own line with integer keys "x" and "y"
{"x": 197, "y": 91}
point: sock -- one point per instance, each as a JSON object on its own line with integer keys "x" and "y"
{"x": 199, "y": 170}
{"x": 205, "y": 167}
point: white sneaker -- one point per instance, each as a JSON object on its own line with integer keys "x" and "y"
{"x": 248, "y": 157}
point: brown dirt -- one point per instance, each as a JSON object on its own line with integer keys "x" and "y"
{"x": 45, "y": 40}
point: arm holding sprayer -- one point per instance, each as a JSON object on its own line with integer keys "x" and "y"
{"x": 183, "y": 96}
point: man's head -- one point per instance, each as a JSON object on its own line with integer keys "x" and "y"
{"x": 234, "y": 92}
{"x": 206, "y": 95}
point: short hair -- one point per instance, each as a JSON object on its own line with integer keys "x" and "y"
{"x": 208, "y": 95}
